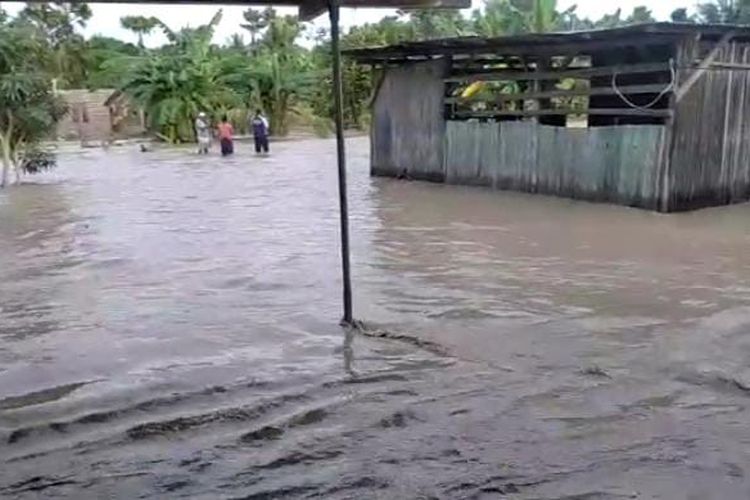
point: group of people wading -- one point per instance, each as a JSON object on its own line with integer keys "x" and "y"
{"x": 225, "y": 134}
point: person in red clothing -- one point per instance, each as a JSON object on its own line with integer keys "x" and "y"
{"x": 226, "y": 131}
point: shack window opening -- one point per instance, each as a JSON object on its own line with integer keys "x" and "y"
{"x": 621, "y": 86}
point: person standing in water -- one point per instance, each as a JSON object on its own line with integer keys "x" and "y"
{"x": 259, "y": 124}
{"x": 226, "y": 131}
{"x": 203, "y": 133}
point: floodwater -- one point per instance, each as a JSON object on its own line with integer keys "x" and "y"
{"x": 169, "y": 328}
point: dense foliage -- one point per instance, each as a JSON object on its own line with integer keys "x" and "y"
{"x": 29, "y": 110}
{"x": 283, "y": 69}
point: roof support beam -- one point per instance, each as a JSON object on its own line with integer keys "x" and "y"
{"x": 704, "y": 66}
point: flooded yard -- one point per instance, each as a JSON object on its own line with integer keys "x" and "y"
{"x": 169, "y": 328}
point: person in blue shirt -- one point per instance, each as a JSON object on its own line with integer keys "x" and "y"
{"x": 259, "y": 124}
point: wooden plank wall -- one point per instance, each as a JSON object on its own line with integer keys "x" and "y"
{"x": 710, "y": 154}
{"x": 619, "y": 164}
{"x": 408, "y": 126}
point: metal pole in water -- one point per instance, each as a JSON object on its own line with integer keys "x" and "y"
{"x": 333, "y": 10}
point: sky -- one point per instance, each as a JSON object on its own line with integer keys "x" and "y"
{"x": 106, "y": 19}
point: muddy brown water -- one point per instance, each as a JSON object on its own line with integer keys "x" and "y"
{"x": 168, "y": 328}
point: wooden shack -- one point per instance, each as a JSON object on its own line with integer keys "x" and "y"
{"x": 655, "y": 116}
{"x": 99, "y": 116}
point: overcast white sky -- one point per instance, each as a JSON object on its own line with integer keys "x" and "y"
{"x": 106, "y": 20}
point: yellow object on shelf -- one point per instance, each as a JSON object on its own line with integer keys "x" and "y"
{"x": 472, "y": 89}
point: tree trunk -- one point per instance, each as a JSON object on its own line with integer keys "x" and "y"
{"x": 5, "y": 157}
{"x": 18, "y": 169}
{"x": 6, "y": 170}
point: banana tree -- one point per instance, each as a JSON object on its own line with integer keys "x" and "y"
{"x": 184, "y": 79}
{"x": 274, "y": 82}
{"x": 174, "y": 89}
{"x": 513, "y": 17}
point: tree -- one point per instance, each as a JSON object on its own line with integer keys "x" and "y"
{"x": 724, "y": 12}
{"x": 513, "y": 17}
{"x": 58, "y": 22}
{"x": 543, "y": 16}
{"x": 187, "y": 39}
{"x": 640, "y": 15}
{"x": 388, "y": 31}
{"x": 185, "y": 78}
{"x": 140, "y": 25}
{"x": 236, "y": 43}
{"x": 274, "y": 83}
{"x": 681, "y": 16}
{"x": 613, "y": 20}
{"x": 279, "y": 77}
{"x": 431, "y": 24}
{"x": 108, "y": 61}
{"x": 255, "y": 22}
{"x": 282, "y": 34}
{"x": 499, "y": 18}
{"x": 29, "y": 111}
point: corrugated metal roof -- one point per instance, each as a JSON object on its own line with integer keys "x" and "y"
{"x": 474, "y": 44}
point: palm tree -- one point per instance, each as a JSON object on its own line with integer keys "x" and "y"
{"x": 140, "y": 25}
{"x": 255, "y": 22}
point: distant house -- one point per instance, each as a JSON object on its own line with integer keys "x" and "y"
{"x": 97, "y": 116}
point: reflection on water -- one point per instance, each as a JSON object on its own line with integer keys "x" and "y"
{"x": 168, "y": 327}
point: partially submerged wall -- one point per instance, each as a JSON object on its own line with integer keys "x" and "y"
{"x": 710, "y": 156}
{"x": 411, "y": 138}
{"x": 614, "y": 164}
{"x": 408, "y": 128}
{"x": 88, "y": 118}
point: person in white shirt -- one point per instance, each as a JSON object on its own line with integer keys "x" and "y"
{"x": 203, "y": 133}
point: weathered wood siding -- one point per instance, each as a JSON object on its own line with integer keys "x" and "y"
{"x": 408, "y": 127}
{"x": 87, "y": 119}
{"x": 710, "y": 155}
{"x": 615, "y": 164}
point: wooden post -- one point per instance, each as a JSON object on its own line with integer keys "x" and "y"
{"x": 338, "y": 93}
